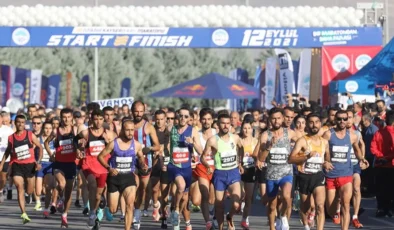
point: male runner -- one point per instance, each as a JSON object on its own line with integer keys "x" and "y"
{"x": 96, "y": 138}
{"x": 200, "y": 172}
{"x": 36, "y": 125}
{"x": 182, "y": 140}
{"x": 275, "y": 149}
{"x": 121, "y": 180}
{"x": 356, "y": 170}
{"x": 170, "y": 114}
{"x": 32, "y": 112}
{"x": 227, "y": 175}
{"x": 331, "y": 123}
{"x": 23, "y": 162}
{"x": 64, "y": 167}
{"x": 340, "y": 177}
{"x": 5, "y": 132}
{"x": 308, "y": 154}
{"x": 145, "y": 134}
{"x": 109, "y": 114}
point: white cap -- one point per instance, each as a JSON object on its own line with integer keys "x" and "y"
{"x": 48, "y": 110}
{"x": 60, "y": 107}
{"x": 5, "y": 109}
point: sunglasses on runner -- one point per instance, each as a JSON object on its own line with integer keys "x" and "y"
{"x": 183, "y": 116}
{"x": 342, "y": 119}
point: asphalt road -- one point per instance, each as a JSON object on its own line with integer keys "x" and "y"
{"x": 10, "y": 219}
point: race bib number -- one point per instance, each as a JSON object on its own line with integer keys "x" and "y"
{"x": 313, "y": 167}
{"x": 45, "y": 155}
{"x": 278, "y": 156}
{"x": 123, "y": 164}
{"x": 22, "y": 152}
{"x": 248, "y": 161}
{"x": 228, "y": 160}
{"x": 339, "y": 154}
{"x": 66, "y": 146}
{"x": 95, "y": 147}
{"x": 180, "y": 155}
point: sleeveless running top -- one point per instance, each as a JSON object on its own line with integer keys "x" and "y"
{"x": 180, "y": 151}
{"x": 226, "y": 156}
{"x": 340, "y": 156}
{"x": 164, "y": 139}
{"x": 209, "y": 157}
{"x": 123, "y": 160}
{"x": 93, "y": 148}
{"x": 64, "y": 144}
{"x": 22, "y": 148}
{"x": 352, "y": 155}
{"x": 45, "y": 155}
{"x": 248, "y": 161}
{"x": 277, "y": 166}
{"x": 314, "y": 164}
{"x": 142, "y": 137}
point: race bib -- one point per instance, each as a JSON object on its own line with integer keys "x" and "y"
{"x": 248, "y": 161}
{"x": 180, "y": 155}
{"x": 166, "y": 160}
{"x": 228, "y": 159}
{"x": 45, "y": 155}
{"x": 66, "y": 146}
{"x": 278, "y": 156}
{"x": 123, "y": 164}
{"x": 209, "y": 159}
{"x": 95, "y": 147}
{"x": 353, "y": 157}
{"x": 22, "y": 152}
{"x": 339, "y": 154}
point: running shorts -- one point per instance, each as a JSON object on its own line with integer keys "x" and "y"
{"x": 46, "y": 168}
{"x": 261, "y": 175}
{"x": 164, "y": 177}
{"x": 308, "y": 182}
{"x": 101, "y": 179}
{"x": 201, "y": 172}
{"x": 273, "y": 185}
{"x": 222, "y": 179}
{"x": 174, "y": 172}
{"x": 336, "y": 183}
{"x": 249, "y": 175}
{"x": 5, "y": 167}
{"x": 23, "y": 170}
{"x": 69, "y": 169}
{"x": 357, "y": 169}
{"x": 120, "y": 182}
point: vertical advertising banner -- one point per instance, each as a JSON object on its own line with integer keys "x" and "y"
{"x": 256, "y": 103}
{"x": 5, "y": 84}
{"x": 304, "y": 73}
{"x": 44, "y": 92}
{"x": 270, "y": 82}
{"x": 125, "y": 87}
{"x": 84, "y": 96}
{"x": 68, "y": 89}
{"x": 53, "y": 91}
{"x": 286, "y": 74}
{"x": 238, "y": 75}
{"x": 338, "y": 63}
{"x": 35, "y": 85}
{"x": 20, "y": 87}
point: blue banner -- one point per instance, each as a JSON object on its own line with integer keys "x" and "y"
{"x": 296, "y": 70}
{"x": 84, "y": 96}
{"x": 256, "y": 103}
{"x": 242, "y": 75}
{"x": 20, "y": 88}
{"x": 53, "y": 91}
{"x": 125, "y": 87}
{"x": 189, "y": 37}
{"x": 5, "y": 84}
{"x": 44, "y": 90}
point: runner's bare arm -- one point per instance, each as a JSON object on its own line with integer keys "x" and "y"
{"x": 7, "y": 153}
{"x": 38, "y": 145}
{"x": 105, "y": 152}
{"x": 240, "y": 150}
{"x": 356, "y": 148}
{"x": 295, "y": 157}
{"x": 155, "y": 140}
{"x": 327, "y": 157}
{"x": 210, "y": 147}
{"x": 361, "y": 144}
{"x": 140, "y": 155}
{"x": 293, "y": 136}
{"x": 196, "y": 142}
{"x": 257, "y": 149}
{"x": 263, "y": 151}
{"x": 327, "y": 135}
{"x": 46, "y": 144}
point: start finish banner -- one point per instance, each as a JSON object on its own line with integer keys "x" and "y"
{"x": 165, "y": 37}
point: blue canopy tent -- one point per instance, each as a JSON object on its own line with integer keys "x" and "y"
{"x": 379, "y": 70}
{"x": 210, "y": 86}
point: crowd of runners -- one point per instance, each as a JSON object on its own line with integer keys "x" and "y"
{"x": 187, "y": 159}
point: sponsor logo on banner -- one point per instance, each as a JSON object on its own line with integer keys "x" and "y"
{"x": 116, "y": 101}
{"x": 270, "y": 37}
{"x": 351, "y": 86}
{"x": 362, "y": 60}
{"x": 191, "y": 90}
{"x": 220, "y": 37}
{"x": 240, "y": 90}
{"x": 283, "y": 61}
{"x": 340, "y": 63}
{"x": 17, "y": 89}
{"x": 335, "y": 37}
{"x": 21, "y": 36}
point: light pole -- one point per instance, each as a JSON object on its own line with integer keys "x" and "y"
{"x": 96, "y": 66}
{"x": 386, "y": 29}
